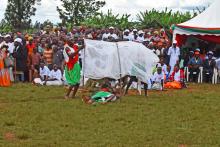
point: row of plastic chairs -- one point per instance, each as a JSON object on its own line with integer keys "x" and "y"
{"x": 215, "y": 76}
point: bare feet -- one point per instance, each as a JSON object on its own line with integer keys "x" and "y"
{"x": 66, "y": 97}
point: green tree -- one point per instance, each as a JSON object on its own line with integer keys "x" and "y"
{"x": 75, "y": 11}
{"x": 18, "y": 13}
{"x": 102, "y": 20}
{"x": 165, "y": 18}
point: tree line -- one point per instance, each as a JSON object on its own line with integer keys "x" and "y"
{"x": 86, "y": 12}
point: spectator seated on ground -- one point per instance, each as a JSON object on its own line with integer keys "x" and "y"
{"x": 158, "y": 79}
{"x": 208, "y": 67}
{"x": 176, "y": 80}
{"x": 194, "y": 66}
{"x": 43, "y": 76}
{"x": 104, "y": 95}
{"x": 168, "y": 73}
{"x": 55, "y": 77}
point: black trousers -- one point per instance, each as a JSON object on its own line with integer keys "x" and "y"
{"x": 207, "y": 75}
{"x": 134, "y": 79}
{"x": 194, "y": 74}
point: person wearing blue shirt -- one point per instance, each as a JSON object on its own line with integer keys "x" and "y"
{"x": 194, "y": 66}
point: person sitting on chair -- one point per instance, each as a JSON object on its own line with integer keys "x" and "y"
{"x": 208, "y": 67}
{"x": 176, "y": 80}
{"x": 194, "y": 66}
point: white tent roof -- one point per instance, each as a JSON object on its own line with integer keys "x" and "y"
{"x": 210, "y": 18}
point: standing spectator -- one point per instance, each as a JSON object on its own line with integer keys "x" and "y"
{"x": 174, "y": 55}
{"x": 194, "y": 66}
{"x": 57, "y": 57}
{"x": 127, "y": 36}
{"x": 20, "y": 55}
{"x": 111, "y": 36}
{"x": 48, "y": 56}
{"x": 140, "y": 37}
{"x": 4, "y": 72}
{"x": 35, "y": 59}
{"x": 208, "y": 67}
{"x": 30, "y": 46}
{"x": 7, "y": 41}
{"x": 135, "y": 34}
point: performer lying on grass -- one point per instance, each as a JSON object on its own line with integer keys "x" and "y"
{"x": 104, "y": 95}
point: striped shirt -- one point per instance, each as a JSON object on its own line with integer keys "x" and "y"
{"x": 48, "y": 56}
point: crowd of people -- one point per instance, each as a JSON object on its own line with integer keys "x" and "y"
{"x": 45, "y": 57}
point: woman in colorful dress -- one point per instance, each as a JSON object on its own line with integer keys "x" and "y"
{"x": 72, "y": 68}
{"x": 176, "y": 80}
{"x": 4, "y": 72}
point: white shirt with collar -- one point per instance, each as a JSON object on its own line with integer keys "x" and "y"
{"x": 44, "y": 72}
{"x": 55, "y": 74}
{"x": 158, "y": 77}
{"x": 140, "y": 39}
{"x": 129, "y": 37}
{"x": 174, "y": 54}
{"x": 110, "y": 35}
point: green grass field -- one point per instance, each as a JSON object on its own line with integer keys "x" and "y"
{"x": 39, "y": 116}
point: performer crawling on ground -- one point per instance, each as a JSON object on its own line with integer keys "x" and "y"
{"x": 104, "y": 95}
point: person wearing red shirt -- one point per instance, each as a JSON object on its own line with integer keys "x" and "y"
{"x": 72, "y": 67}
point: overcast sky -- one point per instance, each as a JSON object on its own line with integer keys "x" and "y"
{"x": 47, "y": 9}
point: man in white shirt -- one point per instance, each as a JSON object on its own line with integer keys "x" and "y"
{"x": 174, "y": 54}
{"x": 55, "y": 77}
{"x": 43, "y": 76}
{"x": 111, "y": 36}
{"x": 7, "y": 42}
{"x": 127, "y": 36}
{"x": 140, "y": 37}
{"x": 134, "y": 34}
{"x": 158, "y": 79}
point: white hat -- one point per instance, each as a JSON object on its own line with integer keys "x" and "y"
{"x": 159, "y": 65}
{"x": 135, "y": 30}
{"x": 174, "y": 42}
{"x": 111, "y": 28}
{"x": 198, "y": 50}
{"x": 6, "y": 36}
{"x": 126, "y": 30}
{"x": 140, "y": 32}
{"x": 210, "y": 53}
{"x": 19, "y": 40}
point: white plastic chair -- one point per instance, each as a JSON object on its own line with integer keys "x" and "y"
{"x": 215, "y": 76}
{"x": 200, "y": 77}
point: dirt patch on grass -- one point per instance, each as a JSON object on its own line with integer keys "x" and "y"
{"x": 9, "y": 136}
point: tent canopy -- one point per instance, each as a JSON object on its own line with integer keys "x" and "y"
{"x": 205, "y": 24}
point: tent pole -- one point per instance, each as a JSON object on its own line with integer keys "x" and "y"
{"x": 119, "y": 59}
{"x": 83, "y": 65}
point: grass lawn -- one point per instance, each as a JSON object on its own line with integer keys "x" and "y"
{"x": 39, "y": 116}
